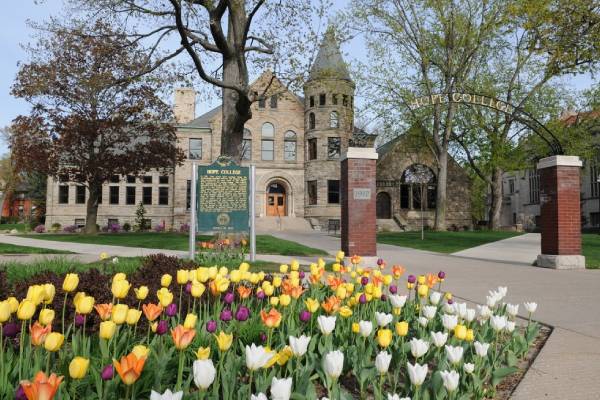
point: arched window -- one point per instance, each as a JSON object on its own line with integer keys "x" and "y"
{"x": 383, "y": 206}
{"x": 418, "y": 188}
{"x": 311, "y": 121}
{"x": 267, "y": 148}
{"x": 247, "y": 145}
{"x": 289, "y": 146}
{"x": 334, "y": 120}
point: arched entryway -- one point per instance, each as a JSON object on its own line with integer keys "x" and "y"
{"x": 276, "y": 200}
{"x": 384, "y": 206}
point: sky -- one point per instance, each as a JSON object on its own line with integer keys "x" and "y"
{"x": 14, "y": 31}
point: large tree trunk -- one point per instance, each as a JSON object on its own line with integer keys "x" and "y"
{"x": 92, "y": 208}
{"x": 496, "y": 189}
{"x": 441, "y": 195}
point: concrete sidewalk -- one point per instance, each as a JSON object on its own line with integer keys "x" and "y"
{"x": 522, "y": 249}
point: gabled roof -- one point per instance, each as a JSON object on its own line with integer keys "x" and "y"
{"x": 329, "y": 62}
{"x": 202, "y": 121}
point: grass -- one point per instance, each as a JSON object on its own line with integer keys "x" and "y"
{"x": 265, "y": 244}
{"x": 443, "y": 242}
{"x": 591, "y": 250}
{"x": 9, "y": 227}
{"x": 14, "y": 249}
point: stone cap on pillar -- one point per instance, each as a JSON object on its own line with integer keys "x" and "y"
{"x": 368, "y": 153}
{"x": 559, "y": 161}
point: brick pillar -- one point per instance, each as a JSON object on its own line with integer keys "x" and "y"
{"x": 560, "y": 213}
{"x": 358, "y": 190}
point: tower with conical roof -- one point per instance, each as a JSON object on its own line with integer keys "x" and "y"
{"x": 329, "y": 123}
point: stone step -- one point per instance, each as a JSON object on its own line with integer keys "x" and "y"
{"x": 270, "y": 224}
{"x": 388, "y": 225}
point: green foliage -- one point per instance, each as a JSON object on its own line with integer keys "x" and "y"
{"x": 141, "y": 223}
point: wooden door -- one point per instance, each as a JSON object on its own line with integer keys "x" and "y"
{"x": 276, "y": 204}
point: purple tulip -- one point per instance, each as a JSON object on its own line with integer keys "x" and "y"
{"x": 305, "y": 315}
{"x": 383, "y": 297}
{"x": 188, "y": 287}
{"x": 441, "y": 274}
{"x": 364, "y": 280}
{"x": 211, "y": 326}
{"x": 228, "y": 298}
{"x": 162, "y": 327}
{"x": 171, "y": 310}
{"x": 380, "y": 261}
{"x": 20, "y": 394}
{"x": 362, "y": 299}
{"x": 79, "y": 320}
{"x": 301, "y": 275}
{"x": 393, "y": 289}
{"x": 108, "y": 372}
{"x": 260, "y": 295}
{"x": 242, "y": 313}
{"x": 450, "y": 301}
{"x": 412, "y": 279}
{"x": 11, "y": 330}
{"x": 226, "y": 315}
{"x": 263, "y": 337}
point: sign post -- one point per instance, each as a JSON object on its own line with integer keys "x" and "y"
{"x": 193, "y": 225}
{"x": 252, "y": 213}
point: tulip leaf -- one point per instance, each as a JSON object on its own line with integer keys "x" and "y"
{"x": 511, "y": 359}
{"x": 501, "y": 373}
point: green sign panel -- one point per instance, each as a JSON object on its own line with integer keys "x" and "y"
{"x": 222, "y": 197}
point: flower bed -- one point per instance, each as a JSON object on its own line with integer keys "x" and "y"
{"x": 173, "y": 330}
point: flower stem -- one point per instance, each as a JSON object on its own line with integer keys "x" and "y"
{"x": 21, "y": 349}
{"x": 63, "y": 312}
{"x": 179, "y": 371}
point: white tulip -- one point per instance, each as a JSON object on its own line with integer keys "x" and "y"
{"x": 423, "y": 321}
{"x": 481, "y": 349}
{"x": 469, "y": 368}
{"x": 418, "y": 347}
{"x": 512, "y": 309}
{"x": 397, "y": 300}
{"x": 281, "y": 389}
{"x": 429, "y": 312}
{"x": 259, "y": 396}
{"x": 299, "y": 345}
{"x": 333, "y": 363}
{"x": 510, "y": 326}
{"x": 491, "y": 300}
{"x": 498, "y": 322}
{"x": 530, "y": 307}
{"x": 257, "y": 357}
{"x": 417, "y": 373}
{"x": 502, "y": 290}
{"x": 167, "y": 395}
{"x": 382, "y": 362}
{"x": 450, "y": 379}
{"x": 115, "y": 260}
{"x": 439, "y": 338}
{"x": 435, "y": 297}
{"x": 383, "y": 319}
{"x": 448, "y": 308}
{"x": 396, "y": 397}
{"x": 460, "y": 309}
{"x": 365, "y": 328}
{"x": 204, "y": 373}
{"x": 469, "y": 314}
{"x": 449, "y": 321}
{"x": 484, "y": 312}
{"x": 454, "y": 354}
{"x": 326, "y": 324}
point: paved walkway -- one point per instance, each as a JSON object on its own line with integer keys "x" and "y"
{"x": 519, "y": 249}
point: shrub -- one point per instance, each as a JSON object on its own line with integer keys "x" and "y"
{"x": 104, "y": 229}
{"x": 114, "y": 228}
{"x": 141, "y": 223}
{"x": 159, "y": 228}
{"x": 126, "y": 227}
{"x": 70, "y": 228}
{"x": 184, "y": 228}
{"x": 40, "y": 229}
{"x": 55, "y": 227}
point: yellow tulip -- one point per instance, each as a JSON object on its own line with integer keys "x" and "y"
{"x": 212, "y": 272}
{"x": 107, "y": 329}
{"x": 284, "y": 355}
{"x": 312, "y": 305}
{"x": 26, "y": 310}
{"x": 255, "y": 278}
{"x": 336, "y": 267}
{"x": 190, "y": 321}
{"x": 244, "y": 267}
{"x": 192, "y": 275}
{"x": 269, "y": 289}
{"x": 274, "y": 301}
{"x": 384, "y": 337}
{"x": 70, "y": 282}
{"x": 46, "y": 316}
{"x": 295, "y": 265}
{"x": 423, "y": 290}
{"x": 448, "y": 296}
{"x": 402, "y": 328}
{"x": 78, "y": 367}
{"x": 283, "y": 268}
{"x": 341, "y": 292}
{"x": 345, "y": 311}
{"x": 285, "y": 300}
{"x": 377, "y": 293}
{"x": 223, "y": 271}
{"x": 165, "y": 280}
{"x": 54, "y": 341}
{"x": 202, "y": 274}
{"x": 235, "y": 276}
{"x": 133, "y": 316}
{"x": 141, "y": 293}
{"x": 421, "y": 280}
{"x": 5, "y": 311}
{"x": 119, "y": 276}
{"x": 340, "y": 255}
{"x": 50, "y": 291}
{"x": 387, "y": 280}
{"x": 13, "y": 303}
{"x": 203, "y": 353}
{"x": 85, "y": 305}
{"x": 120, "y": 288}
{"x": 36, "y": 294}
{"x": 197, "y": 289}
{"x": 224, "y": 340}
{"x": 221, "y": 284}
{"x": 140, "y": 351}
{"x": 277, "y": 281}
{"x": 355, "y": 327}
{"x": 183, "y": 276}
{"x": 165, "y": 297}
{"x": 119, "y": 313}
{"x": 103, "y": 256}
{"x": 460, "y": 332}
{"x": 470, "y": 336}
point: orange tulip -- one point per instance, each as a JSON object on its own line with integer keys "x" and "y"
{"x": 272, "y": 319}
{"x": 152, "y": 311}
{"x": 38, "y": 333}
{"x": 104, "y": 311}
{"x": 331, "y": 305}
{"x": 431, "y": 280}
{"x": 397, "y": 271}
{"x": 355, "y": 259}
{"x": 334, "y": 282}
{"x": 43, "y": 387}
{"x": 129, "y": 368}
{"x": 244, "y": 292}
{"x": 290, "y": 289}
{"x": 182, "y": 337}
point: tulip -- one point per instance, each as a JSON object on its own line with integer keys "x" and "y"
{"x": 305, "y": 315}
{"x": 365, "y": 328}
{"x": 397, "y": 301}
{"x": 165, "y": 297}
{"x": 5, "y": 311}
{"x": 281, "y": 389}
{"x": 469, "y": 368}
{"x": 46, "y": 316}
{"x": 152, "y": 311}
{"x": 141, "y": 293}
{"x": 11, "y": 330}
{"x": 418, "y": 347}
{"x": 129, "y": 368}
{"x": 530, "y": 307}
{"x": 326, "y": 324}
{"x": 470, "y": 336}
{"x": 402, "y": 328}
{"x": 104, "y": 311}
{"x": 70, "y": 282}
{"x": 481, "y": 349}
{"x": 299, "y": 345}
{"x": 258, "y": 396}
{"x": 396, "y": 397}
{"x": 38, "y": 333}
{"x": 78, "y": 367}
{"x": 190, "y": 321}
{"x": 182, "y": 337}
{"x": 43, "y": 387}
{"x": 228, "y": 298}
{"x": 85, "y": 305}
{"x": 439, "y": 338}
{"x": 383, "y": 319}
{"x": 450, "y": 379}
{"x": 197, "y": 289}
{"x": 140, "y": 351}
{"x": 165, "y": 280}
{"x": 256, "y": 357}
{"x": 272, "y": 319}
{"x": 133, "y": 316}
{"x": 417, "y": 373}
{"x": 382, "y": 362}
{"x": 312, "y": 305}
{"x": 20, "y": 393}
{"x": 384, "y": 337}
{"x": 79, "y": 320}
{"x": 211, "y": 326}
{"x": 429, "y": 312}
{"x": 498, "y": 322}
{"x": 242, "y": 313}
{"x": 333, "y": 363}
{"x": 355, "y": 327}
{"x": 120, "y": 288}
{"x": 167, "y": 395}
{"x": 119, "y": 313}
{"x": 36, "y": 294}
{"x": 54, "y": 341}
{"x": 510, "y": 326}
{"x": 26, "y": 310}
{"x": 183, "y": 276}
{"x": 460, "y": 332}
{"x": 285, "y": 300}
{"x": 226, "y": 315}
{"x": 204, "y": 373}
{"x": 162, "y": 327}
{"x": 108, "y": 372}
{"x": 512, "y": 309}
{"x": 454, "y": 354}
{"x": 224, "y": 340}
{"x": 203, "y": 353}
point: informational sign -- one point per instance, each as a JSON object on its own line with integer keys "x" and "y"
{"x": 223, "y": 190}
{"x": 362, "y": 194}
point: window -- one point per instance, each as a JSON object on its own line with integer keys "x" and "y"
{"x": 418, "y": 188}
{"x": 147, "y": 195}
{"x": 312, "y": 101}
{"x": 130, "y": 195}
{"x": 405, "y": 196}
{"x": 163, "y": 179}
{"x": 274, "y": 101}
{"x": 147, "y": 179}
{"x": 163, "y": 195}
{"x": 247, "y": 145}
{"x": 311, "y": 121}
{"x": 334, "y": 120}
{"x": 268, "y": 130}
{"x": 130, "y": 179}
{"x": 534, "y": 186}
{"x": 334, "y": 99}
{"x": 312, "y": 149}
{"x": 63, "y": 194}
{"x": 195, "y": 149}
{"x": 262, "y": 103}
{"x": 345, "y": 100}
{"x": 114, "y": 179}
{"x": 188, "y": 195}
{"x": 113, "y": 195}
{"x": 311, "y": 188}
{"x": 511, "y": 186}
{"x": 595, "y": 219}
{"x": 289, "y": 146}
{"x": 267, "y": 147}
{"x": 100, "y": 195}
{"x": 594, "y": 178}
{"x": 333, "y": 192}
{"x": 333, "y": 147}
{"x": 79, "y": 222}
{"x": 80, "y": 195}
{"x": 322, "y": 99}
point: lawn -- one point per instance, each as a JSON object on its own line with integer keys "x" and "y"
{"x": 14, "y": 249}
{"x": 9, "y": 227}
{"x": 443, "y": 242}
{"x": 265, "y": 244}
{"x": 591, "y": 250}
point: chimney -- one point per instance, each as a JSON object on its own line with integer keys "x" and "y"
{"x": 185, "y": 105}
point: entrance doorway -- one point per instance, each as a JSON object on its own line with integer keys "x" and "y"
{"x": 384, "y": 206}
{"x": 276, "y": 200}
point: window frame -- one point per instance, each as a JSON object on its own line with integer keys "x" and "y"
{"x": 273, "y": 101}
{"x": 79, "y": 199}
{"x": 322, "y": 99}
{"x": 128, "y": 190}
{"x": 61, "y": 198}
{"x": 290, "y": 137}
{"x": 330, "y": 154}
{"x": 313, "y": 153}
{"x": 312, "y": 121}
{"x": 190, "y": 148}
{"x": 334, "y": 119}
{"x": 332, "y": 192}
{"x": 111, "y": 195}
{"x": 145, "y": 191}
{"x": 163, "y": 194}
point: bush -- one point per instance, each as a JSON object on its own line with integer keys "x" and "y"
{"x": 70, "y": 228}
{"x": 55, "y": 227}
{"x": 126, "y": 227}
{"x": 159, "y": 228}
{"x": 114, "y": 228}
{"x": 141, "y": 223}
{"x": 184, "y": 228}
{"x": 40, "y": 229}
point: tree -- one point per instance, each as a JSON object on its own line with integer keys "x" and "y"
{"x": 88, "y": 120}
{"x": 141, "y": 223}
{"x": 230, "y": 36}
